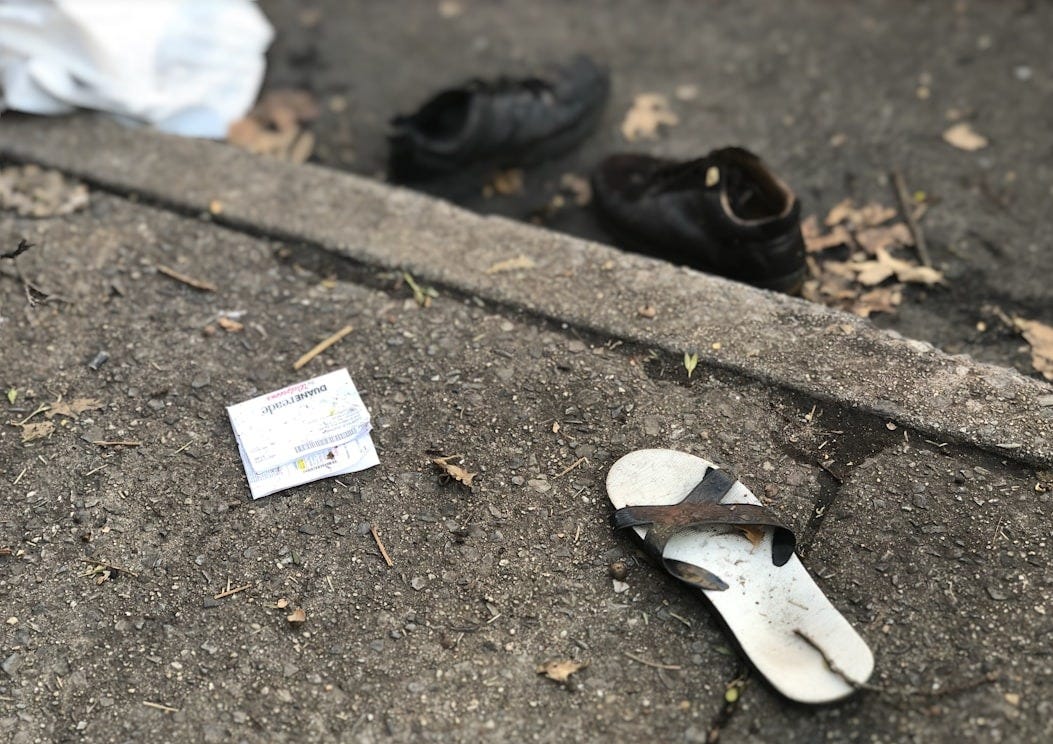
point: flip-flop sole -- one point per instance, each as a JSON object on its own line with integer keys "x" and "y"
{"x": 778, "y": 614}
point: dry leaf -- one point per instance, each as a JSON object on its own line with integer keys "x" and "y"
{"x": 964, "y": 137}
{"x": 512, "y": 264}
{"x": 297, "y": 616}
{"x": 869, "y": 215}
{"x": 578, "y": 187}
{"x": 880, "y": 300}
{"x": 884, "y": 265}
{"x": 908, "y": 272}
{"x": 874, "y": 239}
{"x": 872, "y": 273}
{"x": 301, "y": 148}
{"x": 816, "y": 241}
{"x": 273, "y": 127}
{"x": 285, "y": 107}
{"x": 839, "y": 212}
{"x": 230, "y": 325}
{"x": 37, "y": 430}
{"x": 752, "y": 532}
{"x": 456, "y": 472}
{"x": 560, "y": 671}
{"x": 840, "y": 269}
{"x": 1040, "y": 337}
{"x": 505, "y": 183}
{"x": 913, "y": 274}
{"x": 649, "y": 112}
{"x": 35, "y": 192}
{"x": 72, "y": 408}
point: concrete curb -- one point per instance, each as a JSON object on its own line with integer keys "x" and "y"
{"x": 780, "y": 340}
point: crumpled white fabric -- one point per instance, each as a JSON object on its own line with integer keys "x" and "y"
{"x": 189, "y": 67}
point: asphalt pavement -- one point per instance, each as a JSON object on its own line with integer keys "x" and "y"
{"x": 147, "y": 597}
{"x": 835, "y": 97}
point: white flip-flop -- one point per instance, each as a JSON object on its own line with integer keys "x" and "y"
{"x": 710, "y": 531}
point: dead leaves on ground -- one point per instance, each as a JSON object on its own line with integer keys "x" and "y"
{"x": 574, "y": 190}
{"x": 37, "y": 430}
{"x": 1040, "y": 337}
{"x": 751, "y": 532}
{"x": 73, "y": 408}
{"x": 560, "y": 670}
{"x": 32, "y": 191}
{"x": 33, "y": 430}
{"x": 454, "y": 472}
{"x": 854, "y": 263}
{"x": 649, "y": 112}
{"x": 505, "y": 183}
{"x": 275, "y": 126}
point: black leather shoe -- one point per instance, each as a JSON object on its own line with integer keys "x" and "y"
{"x": 499, "y": 124}
{"x": 725, "y": 213}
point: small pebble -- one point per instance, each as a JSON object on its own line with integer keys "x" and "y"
{"x": 619, "y": 570}
{"x": 12, "y": 664}
{"x": 541, "y": 486}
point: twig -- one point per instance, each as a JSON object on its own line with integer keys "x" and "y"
{"x": 182, "y": 448}
{"x": 20, "y": 475}
{"x": 684, "y": 620}
{"x": 570, "y": 467}
{"x": 228, "y": 592}
{"x": 655, "y": 664}
{"x": 159, "y": 706}
{"x": 187, "y": 280}
{"x": 322, "y": 346}
{"x": 117, "y": 443}
{"x": 40, "y": 409}
{"x": 383, "y": 550}
{"x": 97, "y": 562}
{"x": 93, "y": 471}
{"x": 34, "y": 294}
{"x": 998, "y": 530}
{"x": 912, "y": 222}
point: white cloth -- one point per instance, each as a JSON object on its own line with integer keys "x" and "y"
{"x": 188, "y": 67}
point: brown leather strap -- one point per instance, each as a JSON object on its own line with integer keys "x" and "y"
{"x": 702, "y": 508}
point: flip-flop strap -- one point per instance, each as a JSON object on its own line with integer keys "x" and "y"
{"x": 702, "y": 508}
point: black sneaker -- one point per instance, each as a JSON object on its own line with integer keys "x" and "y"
{"x": 725, "y": 213}
{"x": 499, "y": 124}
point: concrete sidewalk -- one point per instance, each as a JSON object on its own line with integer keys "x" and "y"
{"x": 910, "y": 476}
